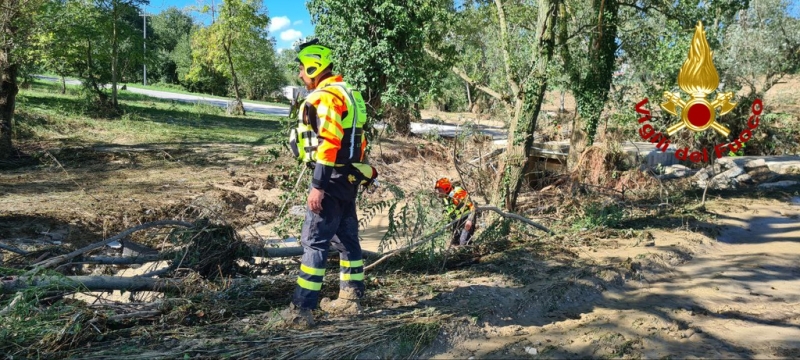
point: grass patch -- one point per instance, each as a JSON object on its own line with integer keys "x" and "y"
{"x": 45, "y": 114}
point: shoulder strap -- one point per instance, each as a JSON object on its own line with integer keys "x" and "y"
{"x": 354, "y": 111}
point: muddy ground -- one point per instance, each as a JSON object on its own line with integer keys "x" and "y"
{"x": 719, "y": 282}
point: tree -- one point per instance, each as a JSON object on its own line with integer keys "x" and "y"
{"x": 169, "y": 28}
{"x": 286, "y": 64}
{"x": 590, "y": 76}
{"x": 115, "y": 8}
{"x": 379, "y": 46}
{"x": 260, "y": 75}
{"x": 525, "y": 69}
{"x": 223, "y": 45}
{"x": 17, "y": 23}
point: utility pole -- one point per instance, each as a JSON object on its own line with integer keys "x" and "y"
{"x": 213, "y": 17}
{"x": 144, "y": 57}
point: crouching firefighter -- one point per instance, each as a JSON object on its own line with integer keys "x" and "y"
{"x": 329, "y": 138}
{"x": 457, "y": 205}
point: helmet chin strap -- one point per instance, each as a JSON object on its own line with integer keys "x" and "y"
{"x": 324, "y": 75}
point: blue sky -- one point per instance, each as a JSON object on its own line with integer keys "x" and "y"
{"x": 289, "y": 19}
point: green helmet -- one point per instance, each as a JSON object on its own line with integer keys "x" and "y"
{"x": 314, "y": 57}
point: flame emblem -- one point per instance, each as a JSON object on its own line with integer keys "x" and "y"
{"x": 698, "y": 78}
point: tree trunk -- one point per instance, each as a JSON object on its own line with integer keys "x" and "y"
{"x": 8, "y": 99}
{"x": 90, "y": 283}
{"x": 239, "y": 110}
{"x": 469, "y": 97}
{"x": 90, "y": 76}
{"x": 63, "y": 85}
{"x": 577, "y": 141}
{"x": 114, "y": 55}
{"x": 591, "y": 91}
{"x": 526, "y": 111}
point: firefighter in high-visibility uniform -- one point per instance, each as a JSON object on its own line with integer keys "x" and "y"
{"x": 457, "y": 203}
{"x": 335, "y": 112}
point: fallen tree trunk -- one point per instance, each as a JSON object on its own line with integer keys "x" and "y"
{"x": 128, "y": 260}
{"x": 279, "y": 252}
{"x": 90, "y": 283}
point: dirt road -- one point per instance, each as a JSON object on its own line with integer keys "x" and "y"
{"x": 733, "y": 292}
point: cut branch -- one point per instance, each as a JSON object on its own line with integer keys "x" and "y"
{"x": 64, "y": 258}
{"x": 444, "y": 228}
{"x": 120, "y": 317}
{"x": 515, "y": 217}
{"x": 13, "y": 249}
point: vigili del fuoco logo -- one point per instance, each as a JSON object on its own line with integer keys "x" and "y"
{"x": 698, "y": 78}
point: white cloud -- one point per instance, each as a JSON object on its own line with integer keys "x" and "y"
{"x": 278, "y": 23}
{"x": 290, "y": 35}
{"x": 297, "y": 22}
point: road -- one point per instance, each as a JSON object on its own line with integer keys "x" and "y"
{"x": 443, "y": 130}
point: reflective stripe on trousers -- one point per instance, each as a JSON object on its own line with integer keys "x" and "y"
{"x": 336, "y": 225}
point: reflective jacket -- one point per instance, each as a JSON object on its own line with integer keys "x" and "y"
{"x": 336, "y": 113}
{"x": 458, "y": 203}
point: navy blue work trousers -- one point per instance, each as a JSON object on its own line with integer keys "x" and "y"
{"x": 336, "y": 225}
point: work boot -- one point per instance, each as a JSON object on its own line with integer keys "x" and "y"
{"x": 347, "y": 304}
{"x": 294, "y": 317}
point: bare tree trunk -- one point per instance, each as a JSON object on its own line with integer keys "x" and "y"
{"x": 8, "y": 99}
{"x": 527, "y": 105}
{"x": 239, "y": 105}
{"x": 469, "y": 97}
{"x": 63, "y": 85}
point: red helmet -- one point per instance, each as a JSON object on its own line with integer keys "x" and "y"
{"x": 444, "y": 185}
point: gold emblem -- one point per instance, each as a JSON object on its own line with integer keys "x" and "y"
{"x": 351, "y": 178}
{"x": 698, "y": 77}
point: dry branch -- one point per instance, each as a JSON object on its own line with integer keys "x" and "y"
{"x": 13, "y": 249}
{"x": 120, "y": 317}
{"x": 515, "y": 217}
{"x": 90, "y": 283}
{"x": 64, "y": 258}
